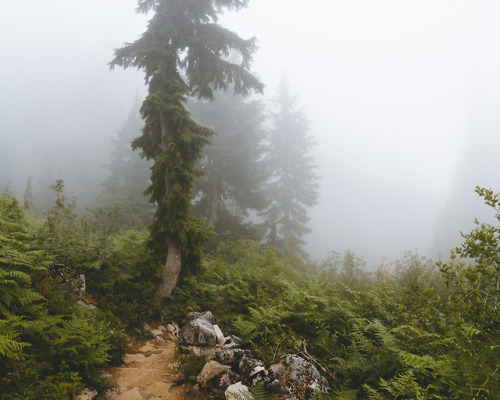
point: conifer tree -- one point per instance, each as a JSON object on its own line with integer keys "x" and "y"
{"x": 233, "y": 174}
{"x": 28, "y": 195}
{"x": 294, "y": 185}
{"x": 183, "y": 52}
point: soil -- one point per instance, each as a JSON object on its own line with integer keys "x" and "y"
{"x": 148, "y": 370}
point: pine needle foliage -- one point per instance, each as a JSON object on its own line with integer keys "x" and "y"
{"x": 184, "y": 52}
{"x": 232, "y": 165}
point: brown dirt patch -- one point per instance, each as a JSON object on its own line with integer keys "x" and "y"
{"x": 148, "y": 367}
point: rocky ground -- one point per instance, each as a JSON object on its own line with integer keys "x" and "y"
{"x": 147, "y": 373}
{"x": 148, "y": 370}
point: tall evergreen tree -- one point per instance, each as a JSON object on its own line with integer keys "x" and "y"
{"x": 183, "y": 52}
{"x": 129, "y": 176}
{"x": 294, "y": 183}
{"x": 233, "y": 175}
{"x": 28, "y": 195}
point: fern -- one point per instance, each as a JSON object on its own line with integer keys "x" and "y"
{"x": 256, "y": 392}
{"x": 10, "y": 346}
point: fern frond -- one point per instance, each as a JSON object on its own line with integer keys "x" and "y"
{"x": 258, "y": 392}
{"x": 23, "y": 277}
{"x": 9, "y": 345}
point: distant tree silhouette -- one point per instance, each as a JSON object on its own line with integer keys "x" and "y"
{"x": 129, "y": 177}
{"x": 232, "y": 165}
{"x": 294, "y": 184}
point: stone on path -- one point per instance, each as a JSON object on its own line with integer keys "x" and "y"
{"x": 133, "y": 394}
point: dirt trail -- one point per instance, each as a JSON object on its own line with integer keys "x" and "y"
{"x": 147, "y": 372}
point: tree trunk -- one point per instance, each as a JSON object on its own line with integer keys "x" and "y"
{"x": 173, "y": 264}
{"x": 171, "y": 272}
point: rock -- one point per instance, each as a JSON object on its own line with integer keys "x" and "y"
{"x": 206, "y": 316}
{"x": 87, "y": 394}
{"x": 107, "y": 376}
{"x": 294, "y": 372}
{"x": 173, "y": 328}
{"x": 86, "y": 305}
{"x": 146, "y": 326}
{"x": 238, "y": 391}
{"x": 147, "y": 348}
{"x": 159, "y": 340}
{"x": 233, "y": 356}
{"x": 199, "y": 330}
{"x": 252, "y": 370}
{"x": 229, "y": 343}
{"x": 133, "y": 358}
{"x": 151, "y": 360}
{"x": 219, "y": 335}
{"x": 156, "y": 332}
{"x": 133, "y": 394}
{"x": 112, "y": 394}
{"x": 216, "y": 377}
{"x": 208, "y": 352}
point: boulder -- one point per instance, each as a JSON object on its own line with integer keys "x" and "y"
{"x": 233, "y": 356}
{"x": 294, "y": 373}
{"x": 199, "y": 330}
{"x": 238, "y": 391}
{"x": 216, "y": 377}
{"x": 252, "y": 370}
{"x": 206, "y": 316}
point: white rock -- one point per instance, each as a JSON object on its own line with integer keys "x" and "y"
{"x": 220, "y": 336}
{"x": 87, "y": 394}
{"x": 156, "y": 332}
{"x": 172, "y": 328}
{"x": 237, "y": 391}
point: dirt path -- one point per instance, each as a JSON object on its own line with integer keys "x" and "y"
{"x": 147, "y": 373}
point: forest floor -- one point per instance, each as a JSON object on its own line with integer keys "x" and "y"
{"x": 148, "y": 372}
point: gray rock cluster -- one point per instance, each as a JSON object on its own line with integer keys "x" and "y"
{"x": 232, "y": 369}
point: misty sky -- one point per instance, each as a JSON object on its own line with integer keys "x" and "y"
{"x": 397, "y": 93}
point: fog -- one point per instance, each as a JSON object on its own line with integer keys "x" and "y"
{"x": 402, "y": 99}
{"x": 60, "y": 103}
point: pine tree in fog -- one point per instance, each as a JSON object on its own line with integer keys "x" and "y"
{"x": 233, "y": 175}
{"x": 28, "y": 197}
{"x": 294, "y": 184}
{"x": 129, "y": 177}
{"x": 183, "y": 39}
